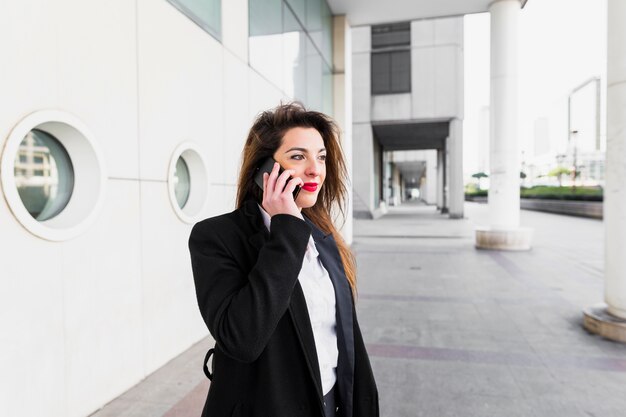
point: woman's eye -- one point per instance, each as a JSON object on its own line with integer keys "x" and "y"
{"x": 297, "y": 157}
{"x": 323, "y": 157}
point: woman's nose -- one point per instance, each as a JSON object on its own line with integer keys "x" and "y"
{"x": 313, "y": 169}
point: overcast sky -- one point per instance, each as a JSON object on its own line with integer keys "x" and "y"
{"x": 562, "y": 43}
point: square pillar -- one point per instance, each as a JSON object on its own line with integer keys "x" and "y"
{"x": 342, "y": 106}
{"x": 456, "y": 189}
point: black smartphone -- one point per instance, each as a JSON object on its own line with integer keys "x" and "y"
{"x": 267, "y": 166}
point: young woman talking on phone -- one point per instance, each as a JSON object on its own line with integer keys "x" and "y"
{"x": 275, "y": 282}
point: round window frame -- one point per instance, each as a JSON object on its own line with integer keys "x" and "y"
{"x": 87, "y": 159}
{"x": 198, "y": 182}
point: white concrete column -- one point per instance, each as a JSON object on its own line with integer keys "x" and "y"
{"x": 615, "y": 190}
{"x": 440, "y": 170}
{"x": 342, "y": 105}
{"x": 431, "y": 177}
{"x": 610, "y": 320}
{"x": 456, "y": 189}
{"x": 385, "y": 193}
{"x": 396, "y": 186}
{"x": 504, "y": 199}
{"x": 446, "y": 177}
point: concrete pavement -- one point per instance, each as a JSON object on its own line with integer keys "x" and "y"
{"x": 455, "y": 331}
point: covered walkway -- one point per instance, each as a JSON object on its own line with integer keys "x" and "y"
{"x": 455, "y": 331}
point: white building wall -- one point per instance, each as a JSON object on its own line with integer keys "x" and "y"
{"x": 361, "y": 78}
{"x": 437, "y": 68}
{"x": 363, "y": 178}
{"x": 85, "y": 319}
{"x": 342, "y": 107}
{"x": 436, "y": 74}
{"x": 63, "y": 314}
{"x": 388, "y": 107}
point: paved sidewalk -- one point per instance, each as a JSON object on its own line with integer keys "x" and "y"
{"x": 455, "y": 331}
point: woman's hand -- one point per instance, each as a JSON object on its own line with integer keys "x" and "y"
{"x": 278, "y": 198}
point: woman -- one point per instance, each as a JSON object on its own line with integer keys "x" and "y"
{"x": 275, "y": 281}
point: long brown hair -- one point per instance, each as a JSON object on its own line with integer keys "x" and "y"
{"x": 265, "y": 137}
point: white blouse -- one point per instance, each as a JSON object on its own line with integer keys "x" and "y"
{"x": 319, "y": 294}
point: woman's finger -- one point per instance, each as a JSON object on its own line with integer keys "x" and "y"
{"x": 292, "y": 184}
{"x": 282, "y": 181}
{"x": 271, "y": 180}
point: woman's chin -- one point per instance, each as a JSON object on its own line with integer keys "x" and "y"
{"x": 306, "y": 201}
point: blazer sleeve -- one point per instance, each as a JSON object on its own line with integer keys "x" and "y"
{"x": 242, "y": 308}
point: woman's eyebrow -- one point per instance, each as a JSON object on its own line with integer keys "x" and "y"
{"x": 303, "y": 150}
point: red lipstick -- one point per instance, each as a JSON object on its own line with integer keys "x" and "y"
{"x": 310, "y": 186}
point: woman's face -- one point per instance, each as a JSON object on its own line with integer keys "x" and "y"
{"x": 302, "y": 150}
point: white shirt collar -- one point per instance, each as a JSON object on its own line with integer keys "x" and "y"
{"x": 266, "y": 217}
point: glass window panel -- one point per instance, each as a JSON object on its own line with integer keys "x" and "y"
{"x": 314, "y": 21}
{"x": 205, "y": 13}
{"x": 401, "y": 71}
{"x": 265, "y": 17}
{"x": 314, "y": 70}
{"x": 397, "y": 34}
{"x": 391, "y": 72}
{"x": 294, "y": 55}
{"x": 327, "y": 33}
{"x": 291, "y": 56}
{"x": 182, "y": 182}
{"x": 299, "y": 8}
{"x": 391, "y": 69}
{"x": 265, "y": 44}
{"x": 381, "y": 83}
{"x": 44, "y": 187}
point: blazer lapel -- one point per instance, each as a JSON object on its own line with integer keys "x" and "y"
{"x": 331, "y": 260}
{"x": 302, "y": 323}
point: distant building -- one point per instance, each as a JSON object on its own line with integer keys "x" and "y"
{"x": 571, "y": 136}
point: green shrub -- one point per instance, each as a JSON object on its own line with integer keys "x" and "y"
{"x": 475, "y": 193}
{"x": 563, "y": 193}
{"x": 548, "y": 193}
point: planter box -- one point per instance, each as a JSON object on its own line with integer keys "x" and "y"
{"x": 592, "y": 209}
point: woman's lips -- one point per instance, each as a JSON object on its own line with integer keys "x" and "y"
{"x": 310, "y": 186}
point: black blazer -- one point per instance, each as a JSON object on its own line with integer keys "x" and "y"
{"x": 265, "y": 362}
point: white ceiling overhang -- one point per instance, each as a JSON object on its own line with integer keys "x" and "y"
{"x": 370, "y": 12}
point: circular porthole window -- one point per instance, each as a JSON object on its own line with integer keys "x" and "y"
{"x": 188, "y": 182}
{"x": 52, "y": 175}
{"x": 44, "y": 175}
{"x": 182, "y": 182}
